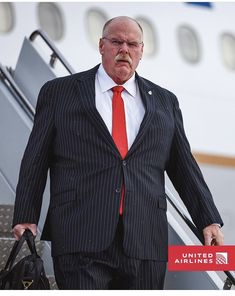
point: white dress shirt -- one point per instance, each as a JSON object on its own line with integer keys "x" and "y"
{"x": 134, "y": 108}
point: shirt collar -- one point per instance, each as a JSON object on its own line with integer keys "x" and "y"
{"x": 106, "y": 82}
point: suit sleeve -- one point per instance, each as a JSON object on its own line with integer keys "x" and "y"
{"x": 187, "y": 178}
{"x": 35, "y": 162}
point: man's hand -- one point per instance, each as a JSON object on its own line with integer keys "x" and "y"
{"x": 213, "y": 235}
{"x": 19, "y": 229}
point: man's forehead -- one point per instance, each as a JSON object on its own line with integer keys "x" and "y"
{"x": 122, "y": 24}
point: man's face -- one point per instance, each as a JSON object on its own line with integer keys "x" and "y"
{"x": 121, "y": 48}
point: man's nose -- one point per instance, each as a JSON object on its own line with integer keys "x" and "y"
{"x": 124, "y": 48}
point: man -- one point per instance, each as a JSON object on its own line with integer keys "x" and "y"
{"x": 107, "y": 148}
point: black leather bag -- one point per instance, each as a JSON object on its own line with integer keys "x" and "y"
{"x": 28, "y": 273}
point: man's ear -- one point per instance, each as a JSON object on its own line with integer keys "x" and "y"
{"x": 101, "y": 46}
{"x": 142, "y": 51}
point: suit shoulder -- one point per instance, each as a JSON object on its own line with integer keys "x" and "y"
{"x": 57, "y": 83}
{"x": 66, "y": 81}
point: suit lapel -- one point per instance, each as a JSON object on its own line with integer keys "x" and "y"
{"x": 87, "y": 97}
{"x": 148, "y": 99}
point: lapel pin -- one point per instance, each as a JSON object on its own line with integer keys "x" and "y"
{"x": 150, "y": 92}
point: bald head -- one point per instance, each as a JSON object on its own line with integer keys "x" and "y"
{"x": 120, "y": 19}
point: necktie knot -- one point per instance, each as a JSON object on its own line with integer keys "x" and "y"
{"x": 117, "y": 89}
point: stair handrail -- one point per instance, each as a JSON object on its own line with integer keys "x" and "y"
{"x": 230, "y": 280}
{"x": 23, "y": 101}
{"x": 56, "y": 54}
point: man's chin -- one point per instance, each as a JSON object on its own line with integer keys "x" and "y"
{"x": 122, "y": 75}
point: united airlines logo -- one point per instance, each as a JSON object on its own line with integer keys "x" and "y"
{"x": 221, "y": 258}
{"x": 201, "y": 258}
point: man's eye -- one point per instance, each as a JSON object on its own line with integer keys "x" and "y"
{"x": 116, "y": 42}
{"x": 133, "y": 44}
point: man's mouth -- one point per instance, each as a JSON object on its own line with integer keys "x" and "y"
{"x": 123, "y": 61}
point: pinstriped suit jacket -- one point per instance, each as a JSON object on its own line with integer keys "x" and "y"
{"x": 86, "y": 171}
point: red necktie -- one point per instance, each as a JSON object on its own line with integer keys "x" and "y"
{"x": 119, "y": 127}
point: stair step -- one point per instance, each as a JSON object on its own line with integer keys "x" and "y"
{"x": 53, "y": 284}
{"x": 6, "y": 216}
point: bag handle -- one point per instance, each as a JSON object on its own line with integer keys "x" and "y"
{"x": 29, "y": 238}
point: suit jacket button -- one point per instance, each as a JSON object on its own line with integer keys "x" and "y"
{"x": 118, "y": 190}
{"x": 124, "y": 163}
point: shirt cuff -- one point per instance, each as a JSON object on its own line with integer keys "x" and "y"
{"x": 217, "y": 224}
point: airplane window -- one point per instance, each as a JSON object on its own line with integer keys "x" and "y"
{"x": 149, "y": 36}
{"x": 51, "y": 20}
{"x": 228, "y": 50}
{"x": 6, "y": 17}
{"x": 189, "y": 44}
{"x": 95, "y": 21}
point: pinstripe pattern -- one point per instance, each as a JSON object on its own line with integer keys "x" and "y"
{"x": 87, "y": 172}
{"x": 77, "y": 272}
{"x": 109, "y": 269}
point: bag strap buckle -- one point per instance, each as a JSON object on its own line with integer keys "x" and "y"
{"x": 27, "y": 284}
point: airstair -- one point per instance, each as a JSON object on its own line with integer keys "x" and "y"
{"x": 19, "y": 88}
